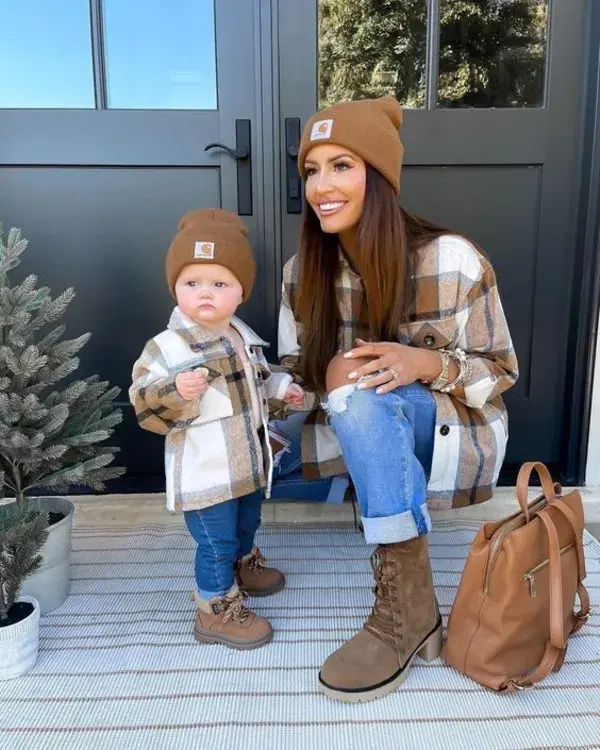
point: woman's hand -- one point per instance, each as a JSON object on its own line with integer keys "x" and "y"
{"x": 402, "y": 364}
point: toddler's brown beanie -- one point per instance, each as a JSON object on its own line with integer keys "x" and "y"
{"x": 212, "y": 235}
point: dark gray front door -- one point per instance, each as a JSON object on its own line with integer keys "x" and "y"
{"x": 491, "y": 149}
{"x": 105, "y": 113}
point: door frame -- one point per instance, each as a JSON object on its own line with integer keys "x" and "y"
{"x": 583, "y": 329}
{"x": 583, "y": 229}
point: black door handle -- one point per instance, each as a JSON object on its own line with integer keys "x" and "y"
{"x": 292, "y": 176}
{"x": 238, "y": 154}
{"x": 242, "y": 153}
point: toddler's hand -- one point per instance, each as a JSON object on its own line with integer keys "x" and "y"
{"x": 294, "y": 395}
{"x": 192, "y": 385}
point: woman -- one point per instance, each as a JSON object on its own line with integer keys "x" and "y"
{"x": 397, "y": 328}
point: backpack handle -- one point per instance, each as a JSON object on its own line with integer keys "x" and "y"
{"x": 523, "y": 484}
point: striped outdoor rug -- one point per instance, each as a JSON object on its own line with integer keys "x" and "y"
{"x": 119, "y": 668}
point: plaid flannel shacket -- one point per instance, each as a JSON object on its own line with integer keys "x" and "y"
{"x": 213, "y": 451}
{"x": 457, "y": 305}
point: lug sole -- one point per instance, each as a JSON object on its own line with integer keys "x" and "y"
{"x": 206, "y": 636}
{"x": 429, "y": 650}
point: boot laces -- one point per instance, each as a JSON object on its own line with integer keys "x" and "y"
{"x": 235, "y": 609}
{"x": 385, "y": 614}
{"x": 256, "y": 563}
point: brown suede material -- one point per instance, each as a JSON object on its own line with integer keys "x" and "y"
{"x": 404, "y": 613}
{"x": 232, "y": 620}
{"x": 361, "y": 663}
{"x": 255, "y": 578}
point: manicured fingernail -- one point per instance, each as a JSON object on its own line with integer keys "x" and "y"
{"x": 379, "y": 391}
{"x": 348, "y": 355}
{"x": 361, "y": 386}
{"x": 352, "y": 375}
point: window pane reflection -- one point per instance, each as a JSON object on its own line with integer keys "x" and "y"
{"x": 372, "y": 48}
{"x": 160, "y": 54}
{"x": 492, "y": 53}
{"x": 45, "y": 54}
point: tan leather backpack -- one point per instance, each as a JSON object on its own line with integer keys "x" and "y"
{"x": 514, "y": 608}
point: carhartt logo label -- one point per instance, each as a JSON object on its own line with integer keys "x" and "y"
{"x": 204, "y": 250}
{"x": 321, "y": 130}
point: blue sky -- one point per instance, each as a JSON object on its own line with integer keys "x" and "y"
{"x": 159, "y": 54}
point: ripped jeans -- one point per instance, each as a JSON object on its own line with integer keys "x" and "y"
{"x": 387, "y": 444}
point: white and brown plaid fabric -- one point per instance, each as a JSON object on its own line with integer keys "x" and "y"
{"x": 213, "y": 451}
{"x": 457, "y": 305}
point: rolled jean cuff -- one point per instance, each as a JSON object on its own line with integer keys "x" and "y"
{"x": 398, "y": 528}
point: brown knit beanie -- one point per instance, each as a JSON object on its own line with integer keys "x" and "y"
{"x": 216, "y": 214}
{"x": 369, "y": 127}
{"x": 212, "y": 235}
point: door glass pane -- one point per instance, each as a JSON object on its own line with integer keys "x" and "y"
{"x": 492, "y": 53}
{"x": 160, "y": 54}
{"x": 372, "y": 48}
{"x": 45, "y": 54}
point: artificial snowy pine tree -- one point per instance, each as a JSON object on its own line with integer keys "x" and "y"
{"x": 50, "y": 432}
{"x": 22, "y": 535}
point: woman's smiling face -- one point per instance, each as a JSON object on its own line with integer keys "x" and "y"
{"x": 335, "y": 187}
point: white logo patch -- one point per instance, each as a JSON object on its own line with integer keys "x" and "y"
{"x": 321, "y": 130}
{"x": 204, "y": 250}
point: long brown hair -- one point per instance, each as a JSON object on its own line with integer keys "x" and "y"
{"x": 387, "y": 238}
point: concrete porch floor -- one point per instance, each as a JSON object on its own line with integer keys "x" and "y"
{"x": 133, "y": 510}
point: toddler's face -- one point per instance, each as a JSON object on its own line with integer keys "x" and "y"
{"x": 208, "y": 293}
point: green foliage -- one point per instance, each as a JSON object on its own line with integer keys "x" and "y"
{"x": 51, "y": 428}
{"x": 49, "y": 436}
{"x": 372, "y": 48}
{"x": 492, "y": 52}
{"x": 22, "y": 534}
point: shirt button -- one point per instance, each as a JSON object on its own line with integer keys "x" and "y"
{"x": 444, "y": 430}
{"x": 429, "y": 340}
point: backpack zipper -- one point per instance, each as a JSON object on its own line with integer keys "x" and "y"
{"x": 530, "y": 576}
{"x": 500, "y": 534}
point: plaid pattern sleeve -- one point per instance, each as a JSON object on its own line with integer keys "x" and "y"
{"x": 155, "y": 398}
{"x": 483, "y": 333}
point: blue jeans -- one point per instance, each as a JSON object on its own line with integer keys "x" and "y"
{"x": 224, "y": 533}
{"x": 288, "y": 482}
{"x": 387, "y": 444}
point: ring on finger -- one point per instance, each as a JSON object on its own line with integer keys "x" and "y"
{"x": 393, "y": 373}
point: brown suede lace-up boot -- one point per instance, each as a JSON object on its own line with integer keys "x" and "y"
{"x": 253, "y": 576}
{"x": 226, "y": 620}
{"x": 405, "y": 621}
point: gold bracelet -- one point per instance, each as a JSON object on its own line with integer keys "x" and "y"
{"x": 442, "y": 379}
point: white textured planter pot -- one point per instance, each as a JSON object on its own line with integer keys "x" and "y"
{"x": 19, "y": 643}
{"x": 50, "y": 584}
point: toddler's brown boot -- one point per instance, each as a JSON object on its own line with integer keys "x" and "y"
{"x": 226, "y": 620}
{"x": 253, "y": 576}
